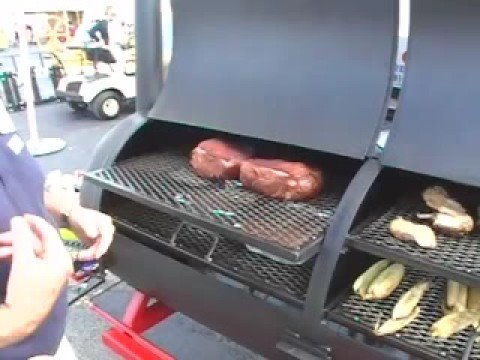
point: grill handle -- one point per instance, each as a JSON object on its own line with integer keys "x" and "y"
{"x": 332, "y": 245}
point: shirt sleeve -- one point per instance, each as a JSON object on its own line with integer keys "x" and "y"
{"x": 6, "y": 122}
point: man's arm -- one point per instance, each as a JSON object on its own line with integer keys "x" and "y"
{"x": 12, "y": 330}
{"x": 60, "y": 196}
{"x": 94, "y": 228}
{"x": 36, "y": 279}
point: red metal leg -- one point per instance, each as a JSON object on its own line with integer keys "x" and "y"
{"x": 125, "y": 338}
{"x": 140, "y": 316}
{"x": 128, "y": 348}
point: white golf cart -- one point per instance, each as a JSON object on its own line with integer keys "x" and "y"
{"x": 103, "y": 93}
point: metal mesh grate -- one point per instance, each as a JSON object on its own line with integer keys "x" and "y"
{"x": 453, "y": 255}
{"x": 414, "y": 338}
{"x": 288, "y": 282}
{"x": 166, "y": 180}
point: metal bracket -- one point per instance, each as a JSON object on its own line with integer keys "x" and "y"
{"x": 177, "y": 231}
{"x": 208, "y": 256}
{"x": 291, "y": 344}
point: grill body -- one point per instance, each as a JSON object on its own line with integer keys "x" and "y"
{"x": 183, "y": 239}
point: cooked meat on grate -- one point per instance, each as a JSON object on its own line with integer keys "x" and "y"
{"x": 450, "y": 224}
{"x": 438, "y": 199}
{"x": 218, "y": 159}
{"x": 281, "y": 179}
{"x": 407, "y": 230}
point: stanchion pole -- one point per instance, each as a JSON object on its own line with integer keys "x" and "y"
{"x": 35, "y": 144}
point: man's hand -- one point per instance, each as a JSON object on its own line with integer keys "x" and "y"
{"x": 94, "y": 228}
{"x": 35, "y": 282}
{"x": 6, "y": 246}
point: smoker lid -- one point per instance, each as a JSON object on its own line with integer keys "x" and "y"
{"x": 436, "y": 129}
{"x": 310, "y": 73}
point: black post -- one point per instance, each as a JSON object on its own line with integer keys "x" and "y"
{"x": 13, "y": 100}
{"x": 148, "y": 52}
{"x": 36, "y": 90}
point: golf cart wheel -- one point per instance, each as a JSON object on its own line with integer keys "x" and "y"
{"x": 107, "y": 105}
{"x": 77, "y": 106}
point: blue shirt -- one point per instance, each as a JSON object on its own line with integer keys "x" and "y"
{"x": 21, "y": 191}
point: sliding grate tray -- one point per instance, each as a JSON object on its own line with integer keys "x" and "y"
{"x": 457, "y": 258}
{"x": 414, "y": 339}
{"x": 286, "y": 282}
{"x": 288, "y": 230}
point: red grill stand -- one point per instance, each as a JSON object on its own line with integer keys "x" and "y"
{"x": 125, "y": 337}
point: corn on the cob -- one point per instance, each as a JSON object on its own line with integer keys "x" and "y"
{"x": 407, "y": 230}
{"x": 473, "y": 302}
{"x": 456, "y": 297}
{"x": 391, "y": 325}
{"x": 386, "y": 282}
{"x": 409, "y": 300}
{"x": 362, "y": 283}
{"x": 452, "y": 293}
{"x": 453, "y": 323}
{"x": 462, "y": 298}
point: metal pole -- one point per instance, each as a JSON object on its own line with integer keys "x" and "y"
{"x": 35, "y": 145}
{"x": 148, "y": 53}
{"x": 27, "y": 81}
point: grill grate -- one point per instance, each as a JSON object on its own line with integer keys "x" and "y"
{"x": 288, "y": 230}
{"x": 287, "y": 282}
{"x": 356, "y": 313}
{"x": 454, "y": 257}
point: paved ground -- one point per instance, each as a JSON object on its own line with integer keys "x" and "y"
{"x": 181, "y": 336}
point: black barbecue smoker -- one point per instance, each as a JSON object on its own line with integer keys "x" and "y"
{"x": 310, "y": 81}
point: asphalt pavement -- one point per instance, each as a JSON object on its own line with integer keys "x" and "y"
{"x": 179, "y": 335}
